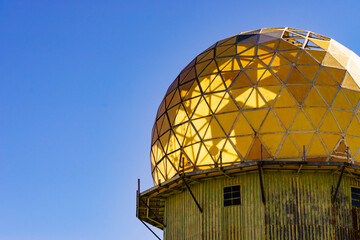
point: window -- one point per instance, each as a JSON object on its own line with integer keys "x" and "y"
{"x": 232, "y": 195}
{"x": 355, "y": 197}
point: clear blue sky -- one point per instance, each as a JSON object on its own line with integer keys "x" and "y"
{"x": 80, "y": 84}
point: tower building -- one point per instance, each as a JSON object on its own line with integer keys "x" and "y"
{"x": 258, "y": 138}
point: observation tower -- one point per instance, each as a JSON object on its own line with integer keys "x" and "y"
{"x": 258, "y": 138}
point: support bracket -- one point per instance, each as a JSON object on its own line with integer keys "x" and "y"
{"x": 147, "y": 206}
{"x": 191, "y": 193}
{"x": 150, "y": 229}
{"x": 261, "y": 183}
{"x": 338, "y": 184}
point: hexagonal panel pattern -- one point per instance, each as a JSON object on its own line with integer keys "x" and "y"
{"x": 280, "y": 89}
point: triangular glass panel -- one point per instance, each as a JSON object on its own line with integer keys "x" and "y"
{"x": 244, "y": 47}
{"x": 173, "y": 85}
{"x": 244, "y": 61}
{"x": 229, "y": 154}
{"x": 190, "y": 153}
{"x": 330, "y": 61}
{"x": 173, "y": 144}
{"x": 343, "y": 118}
{"x": 317, "y": 54}
{"x": 272, "y": 44}
{"x": 269, "y": 93}
{"x": 329, "y": 124}
{"x": 205, "y": 81}
{"x": 305, "y": 58}
{"x": 190, "y": 105}
{"x": 191, "y": 135}
{"x": 217, "y": 84}
{"x": 261, "y": 50}
{"x": 202, "y": 109}
{"x": 214, "y": 99}
{"x": 228, "y": 64}
{"x": 352, "y": 96}
{"x": 161, "y": 109}
{"x": 291, "y": 55}
{"x": 250, "y": 52}
{"x": 327, "y": 92}
{"x": 255, "y": 117}
{"x": 223, "y": 51}
{"x": 324, "y": 78}
{"x": 175, "y": 100}
{"x": 341, "y": 102}
{"x": 279, "y": 60}
{"x": 214, "y": 130}
{"x": 299, "y": 92}
{"x": 309, "y": 71}
{"x": 323, "y": 44}
{"x": 302, "y": 139}
{"x": 286, "y": 115}
{"x": 172, "y": 112}
{"x": 255, "y": 74}
{"x": 242, "y": 144}
{"x": 229, "y": 77}
{"x": 284, "y": 99}
{"x": 194, "y": 91}
{"x": 296, "y": 77}
{"x": 301, "y": 123}
{"x": 227, "y": 105}
{"x": 354, "y": 127}
{"x": 201, "y": 66}
{"x": 255, "y": 63}
{"x": 227, "y": 120}
{"x": 316, "y": 148}
{"x": 241, "y": 81}
{"x": 272, "y": 141}
{"x": 209, "y": 69}
{"x": 180, "y": 132}
{"x": 268, "y": 78}
{"x": 284, "y": 45}
{"x": 271, "y": 124}
{"x": 207, "y": 55}
{"x": 241, "y": 127}
{"x": 233, "y": 65}
{"x": 227, "y": 41}
{"x": 247, "y": 39}
{"x": 282, "y": 72}
{"x": 288, "y": 149}
{"x": 266, "y": 59}
{"x": 330, "y": 140}
{"x": 255, "y": 151}
{"x": 337, "y": 74}
{"x": 255, "y": 100}
{"x": 350, "y": 83}
{"x": 241, "y": 95}
{"x": 353, "y": 144}
{"x": 185, "y": 88}
{"x": 313, "y": 99}
{"x": 315, "y": 115}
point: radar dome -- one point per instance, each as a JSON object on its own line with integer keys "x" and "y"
{"x": 271, "y": 93}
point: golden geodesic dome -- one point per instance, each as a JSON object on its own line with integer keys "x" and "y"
{"x": 281, "y": 88}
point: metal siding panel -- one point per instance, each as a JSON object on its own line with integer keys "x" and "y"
{"x": 298, "y": 206}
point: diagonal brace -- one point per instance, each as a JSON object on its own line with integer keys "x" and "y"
{"x": 157, "y": 219}
{"x": 150, "y": 229}
{"x": 146, "y": 205}
{"x": 261, "y": 183}
{"x": 191, "y": 193}
{"x": 338, "y": 184}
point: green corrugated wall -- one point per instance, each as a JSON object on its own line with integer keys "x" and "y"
{"x": 298, "y": 206}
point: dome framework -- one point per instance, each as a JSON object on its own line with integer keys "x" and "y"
{"x": 269, "y": 94}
